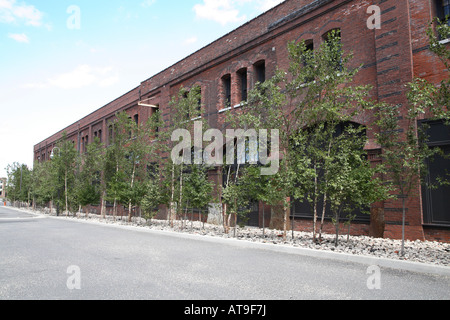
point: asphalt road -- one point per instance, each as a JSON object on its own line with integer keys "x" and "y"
{"x": 58, "y": 259}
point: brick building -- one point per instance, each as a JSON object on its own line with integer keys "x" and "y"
{"x": 230, "y": 66}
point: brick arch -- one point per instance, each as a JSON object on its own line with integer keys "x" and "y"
{"x": 330, "y": 25}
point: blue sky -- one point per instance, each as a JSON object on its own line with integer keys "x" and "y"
{"x": 61, "y": 60}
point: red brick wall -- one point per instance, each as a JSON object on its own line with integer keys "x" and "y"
{"x": 391, "y": 57}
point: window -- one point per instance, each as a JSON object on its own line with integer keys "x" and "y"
{"x": 186, "y": 109}
{"x": 156, "y": 113}
{"x": 260, "y": 71}
{"x": 333, "y": 40}
{"x": 130, "y": 133}
{"x": 435, "y": 199}
{"x": 226, "y": 83}
{"x": 136, "y": 119}
{"x": 85, "y": 145}
{"x": 242, "y": 82}
{"x": 100, "y": 136}
{"x": 443, "y": 9}
{"x": 308, "y": 54}
{"x": 110, "y": 134}
{"x": 199, "y": 102}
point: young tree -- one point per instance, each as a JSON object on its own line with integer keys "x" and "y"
{"x": 88, "y": 178}
{"x": 187, "y": 111}
{"x": 43, "y": 188}
{"x": 352, "y": 182}
{"x": 126, "y": 162}
{"x": 405, "y": 152}
{"x": 405, "y": 149}
{"x": 154, "y": 195}
{"x": 198, "y": 189}
{"x": 64, "y": 164}
{"x": 19, "y": 182}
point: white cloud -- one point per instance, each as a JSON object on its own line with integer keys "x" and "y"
{"x": 81, "y": 76}
{"x": 221, "y": 11}
{"x": 11, "y": 12}
{"x": 23, "y": 38}
{"x": 230, "y": 11}
{"x": 190, "y": 40}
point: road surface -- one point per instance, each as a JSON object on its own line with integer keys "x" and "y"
{"x": 54, "y": 258}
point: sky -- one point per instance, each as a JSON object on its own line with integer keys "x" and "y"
{"x": 62, "y": 60}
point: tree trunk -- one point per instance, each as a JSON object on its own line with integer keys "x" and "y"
{"x": 131, "y": 187}
{"x": 103, "y": 205}
{"x": 403, "y": 224}
{"x": 224, "y": 218}
{"x": 65, "y": 191}
{"x": 171, "y": 211}
{"x": 115, "y": 209}
{"x": 264, "y": 222}
{"x": 323, "y": 216}
{"x": 315, "y": 204}
{"x": 337, "y": 231}
{"x": 179, "y": 207}
{"x": 325, "y": 194}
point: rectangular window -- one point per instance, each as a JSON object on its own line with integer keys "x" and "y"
{"x": 199, "y": 103}
{"x": 110, "y": 135}
{"x": 226, "y": 81}
{"x": 333, "y": 38}
{"x": 308, "y": 54}
{"x": 100, "y": 136}
{"x": 443, "y": 9}
{"x": 86, "y": 142}
{"x": 242, "y": 76}
{"x": 435, "y": 199}
{"x": 157, "y": 114}
{"x": 260, "y": 71}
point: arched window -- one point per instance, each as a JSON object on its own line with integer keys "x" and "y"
{"x": 333, "y": 39}
{"x": 260, "y": 71}
{"x": 308, "y": 53}
{"x": 242, "y": 83}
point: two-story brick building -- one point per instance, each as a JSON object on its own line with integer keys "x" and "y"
{"x": 229, "y": 67}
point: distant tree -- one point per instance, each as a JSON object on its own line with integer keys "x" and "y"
{"x": 19, "y": 182}
{"x": 43, "y": 188}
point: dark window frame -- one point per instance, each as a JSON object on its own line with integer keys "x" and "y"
{"x": 439, "y": 137}
{"x": 226, "y": 86}
{"x": 243, "y": 83}
{"x": 260, "y": 71}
